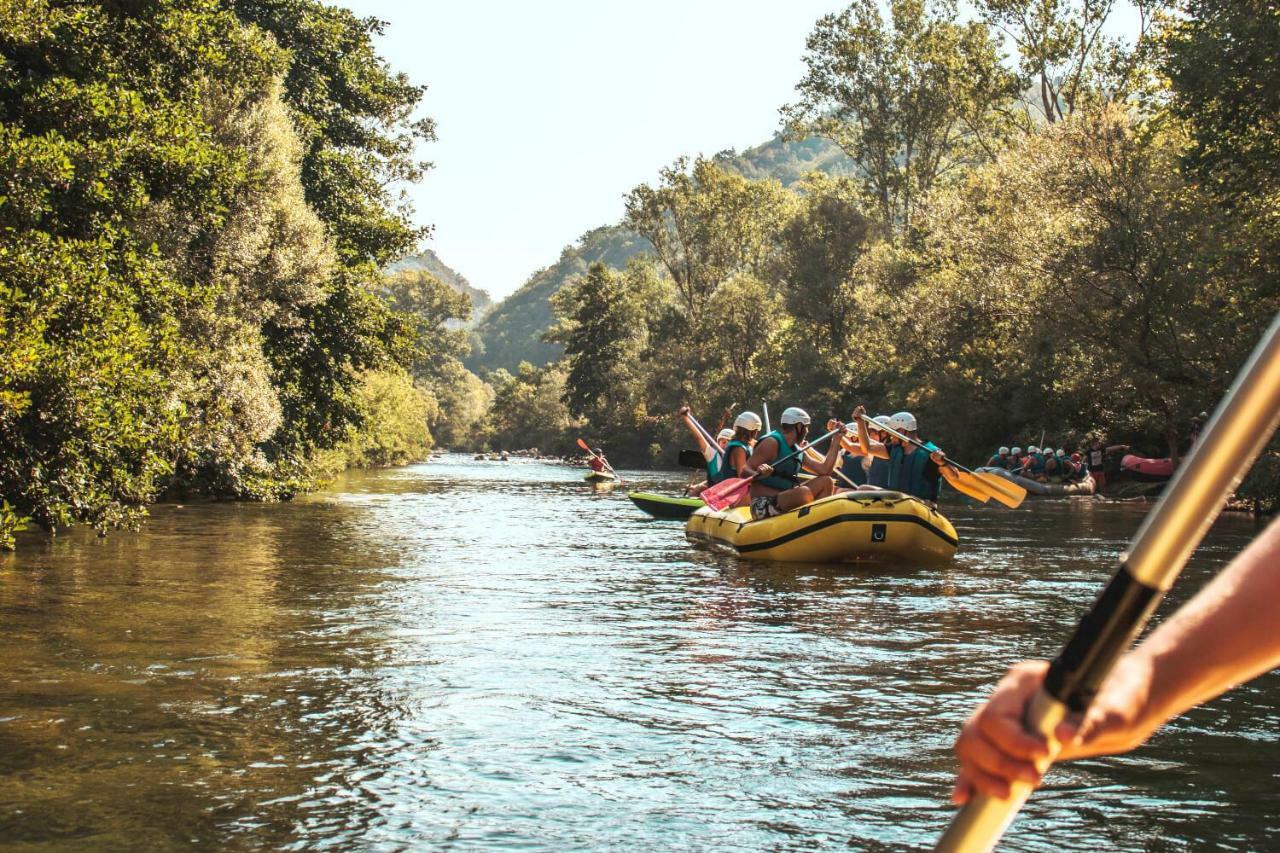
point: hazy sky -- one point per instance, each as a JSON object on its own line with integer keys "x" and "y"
{"x": 550, "y": 111}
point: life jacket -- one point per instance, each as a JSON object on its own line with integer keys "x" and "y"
{"x": 1037, "y": 463}
{"x": 852, "y": 468}
{"x": 785, "y": 474}
{"x": 1014, "y": 463}
{"x": 1052, "y": 466}
{"x": 998, "y": 461}
{"x": 597, "y": 465}
{"x": 724, "y": 469}
{"x": 906, "y": 473}
{"x": 878, "y": 476}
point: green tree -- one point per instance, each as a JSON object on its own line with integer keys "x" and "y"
{"x": 911, "y": 99}
{"x": 705, "y": 224}
{"x": 1064, "y": 50}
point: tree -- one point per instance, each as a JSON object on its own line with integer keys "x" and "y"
{"x": 910, "y": 99}
{"x": 705, "y": 224}
{"x": 1064, "y": 51}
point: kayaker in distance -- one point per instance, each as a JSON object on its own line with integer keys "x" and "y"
{"x": 1216, "y": 641}
{"x": 597, "y": 462}
{"x": 915, "y": 471}
{"x": 778, "y": 490}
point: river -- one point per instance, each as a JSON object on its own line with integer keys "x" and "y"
{"x": 467, "y": 654}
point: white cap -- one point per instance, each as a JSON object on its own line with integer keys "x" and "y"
{"x": 1017, "y": 451}
{"x": 748, "y": 420}
{"x": 724, "y": 433}
{"x": 1004, "y": 451}
{"x": 904, "y": 421}
{"x": 795, "y": 415}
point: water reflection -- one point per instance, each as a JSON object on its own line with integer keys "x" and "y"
{"x": 492, "y": 654}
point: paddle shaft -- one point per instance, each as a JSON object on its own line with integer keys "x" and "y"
{"x": 920, "y": 444}
{"x": 765, "y": 407}
{"x": 1241, "y": 426}
{"x": 706, "y": 436}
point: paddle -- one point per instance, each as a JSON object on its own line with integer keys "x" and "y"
{"x": 765, "y": 406}
{"x": 1240, "y": 428}
{"x": 728, "y": 492}
{"x": 1010, "y": 494}
{"x": 603, "y": 461}
{"x": 814, "y": 456}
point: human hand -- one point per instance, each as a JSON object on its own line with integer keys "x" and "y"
{"x": 858, "y": 412}
{"x": 765, "y": 470}
{"x": 995, "y": 749}
{"x": 684, "y": 410}
{"x": 939, "y": 458}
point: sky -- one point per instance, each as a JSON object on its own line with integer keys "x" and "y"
{"x": 549, "y": 112}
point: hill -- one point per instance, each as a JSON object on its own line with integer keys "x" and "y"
{"x": 429, "y": 261}
{"x": 510, "y": 333}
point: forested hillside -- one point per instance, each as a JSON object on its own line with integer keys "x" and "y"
{"x": 429, "y": 262}
{"x": 512, "y": 331}
{"x": 515, "y": 330}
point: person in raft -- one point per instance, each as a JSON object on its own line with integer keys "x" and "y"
{"x": 735, "y": 447}
{"x": 777, "y": 489}
{"x": 1015, "y": 460}
{"x": 1052, "y": 467}
{"x": 1000, "y": 459}
{"x": 1219, "y": 639}
{"x": 597, "y": 462}
{"x": 915, "y": 471}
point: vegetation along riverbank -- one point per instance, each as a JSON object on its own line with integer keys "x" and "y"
{"x": 1009, "y": 223}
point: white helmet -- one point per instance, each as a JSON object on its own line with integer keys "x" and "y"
{"x": 883, "y": 420}
{"x": 1033, "y": 449}
{"x": 748, "y": 420}
{"x": 724, "y": 433}
{"x": 795, "y": 415}
{"x": 904, "y": 421}
{"x": 1017, "y": 451}
{"x": 1003, "y": 451}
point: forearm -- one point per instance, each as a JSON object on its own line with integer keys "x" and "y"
{"x": 1225, "y": 635}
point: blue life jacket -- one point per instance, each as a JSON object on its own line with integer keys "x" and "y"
{"x": 878, "y": 476}
{"x": 906, "y": 473}
{"x": 785, "y": 474}
{"x": 724, "y": 468}
{"x": 852, "y": 468}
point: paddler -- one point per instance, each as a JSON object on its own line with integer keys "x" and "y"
{"x": 1000, "y": 459}
{"x": 912, "y": 470}
{"x": 1219, "y": 639}
{"x": 734, "y": 447}
{"x": 598, "y": 463}
{"x": 777, "y": 489}
{"x": 1015, "y": 460}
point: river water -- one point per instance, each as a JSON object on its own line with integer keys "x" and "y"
{"x": 466, "y": 654}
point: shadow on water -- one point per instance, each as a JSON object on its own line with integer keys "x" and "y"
{"x": 488, "y": 654}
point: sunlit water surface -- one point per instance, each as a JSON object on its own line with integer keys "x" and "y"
{"x": 468, "y": 654}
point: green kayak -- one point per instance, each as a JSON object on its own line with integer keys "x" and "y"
{"x": 664, "y": 506}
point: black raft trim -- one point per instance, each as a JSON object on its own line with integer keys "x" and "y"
{"x": 849, "y": 516}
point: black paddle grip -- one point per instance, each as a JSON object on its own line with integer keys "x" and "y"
{"x": 1105, "y": 633}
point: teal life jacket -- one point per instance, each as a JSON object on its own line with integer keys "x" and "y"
{"x": 998, "y": 461}
{"x": 851, "y": 467}
{"x": 906, "y": 473}
{"x": 715, "y": 465}
{"x": 1037, "y": 463}
{"x": 785, "y": 474}
{"x": 724, "y": 468}
{"x": 878, "y": 476}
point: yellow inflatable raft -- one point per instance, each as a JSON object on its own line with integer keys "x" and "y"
{"x": 871, "y": 526}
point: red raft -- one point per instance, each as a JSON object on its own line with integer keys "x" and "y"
{"x": 1141, "y": 468}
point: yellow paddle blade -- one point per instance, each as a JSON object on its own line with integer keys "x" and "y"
{"x": 1010, "y": 494}
{"x": 967, "y": 484}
